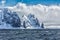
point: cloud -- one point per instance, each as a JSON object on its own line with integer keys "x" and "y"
{"x": 49, "y": 14}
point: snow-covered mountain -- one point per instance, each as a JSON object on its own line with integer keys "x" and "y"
{"x": 10, "y": 19}
{"x": 31, "y": 22}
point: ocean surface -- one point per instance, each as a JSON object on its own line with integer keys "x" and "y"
{"x": 29, "y": 34}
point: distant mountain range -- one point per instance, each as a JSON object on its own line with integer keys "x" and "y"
{"x": 10, "y": 19}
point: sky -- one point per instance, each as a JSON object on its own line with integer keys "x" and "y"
{"x": 32, "y": 2}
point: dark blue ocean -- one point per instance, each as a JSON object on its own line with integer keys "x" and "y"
{"x": 29, "y": 34}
